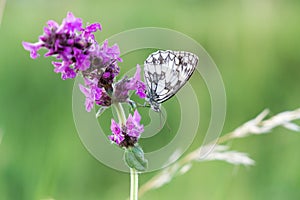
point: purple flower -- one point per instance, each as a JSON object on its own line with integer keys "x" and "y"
{"x": 77, "y": 51}
{"x": 94, "y": 94}
{"x": 110, "y": 53}
{"x": 103, "y": 77}
{"x": 140, "y": 89}
{"x": 117, "y": 135}
{"x": 137, "y": 84}
{"x": 122, "y": 87}
{"x": 107, "y": 78}
{"x": 104, "y": 99}
{"x": 121, "y": 91}
{"x": 69, "y": 42}
{"x": 127, "y": 135}
{"x": 134, "y": 128}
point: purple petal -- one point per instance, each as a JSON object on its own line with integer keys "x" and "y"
{"x": 89, "y": 104}
{"x": 130, "y": 123}
{"x": 93, "y": 27}
{"x": 82, "y": 60}
{"x": 68, "y": 74}
{"x": 106, "y": 75}
{"x": 141, "y": 89}
{"x": 70, "y": 24}
{"x": 89, "y": 101}
{"x": 98, "y": 92}
{"x": 88, "y": 81}
{"x": 117, "y": 135}
{"x": 116, "y": 138}
{"x": 137, "y": 75}
{"x": 136, "y": 83}
{"x": 115, "y": 128}
{"x": 33, "y": 48}
{"x": 110, "y": 53}
{"x": 52, "y": 24}
{"x": 133, "y": 126}
{"x": 137, "y": 117}
{"x": 64, "y": 69}
{"x": 85, "y": 91}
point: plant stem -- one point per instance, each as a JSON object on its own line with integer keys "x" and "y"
{"x": 120, "y": 113}
{"x": 134, "y": 179}
{"x": 134, "y": 184}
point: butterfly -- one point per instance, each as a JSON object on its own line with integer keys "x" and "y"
{"x": 165, "y": 72}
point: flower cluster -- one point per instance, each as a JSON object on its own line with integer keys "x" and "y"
{"x": 77, "y": 52}
{"x": 68, "y": 42}
{"x": 126, "y": 135}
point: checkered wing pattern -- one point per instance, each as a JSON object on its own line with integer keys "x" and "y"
{"x": 165, "y": 72}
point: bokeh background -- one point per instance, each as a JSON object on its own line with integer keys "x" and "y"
{"x": 256, "y": 46}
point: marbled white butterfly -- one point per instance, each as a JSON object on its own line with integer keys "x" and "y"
{"x": 165, "y": 72}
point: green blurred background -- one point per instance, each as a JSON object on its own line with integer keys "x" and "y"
{"x": 256, "y": 45}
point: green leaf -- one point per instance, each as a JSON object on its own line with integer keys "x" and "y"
{"x": 134, "y": 158}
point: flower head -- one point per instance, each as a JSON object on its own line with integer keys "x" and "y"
{"x": 69, "y": 42}
{"x": 126, "y": 135}
{"x": 77, "y": 51}
{"x": 123, "y": 87}
{"x": 134, "y": 128}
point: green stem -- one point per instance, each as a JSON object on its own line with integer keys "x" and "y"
{"x": 134, "y": 186}
{"x": 120, "y": 113}
{"x": 134, "y": 178}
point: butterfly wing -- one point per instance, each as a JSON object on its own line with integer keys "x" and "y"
{"x": 165, "y": 72}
